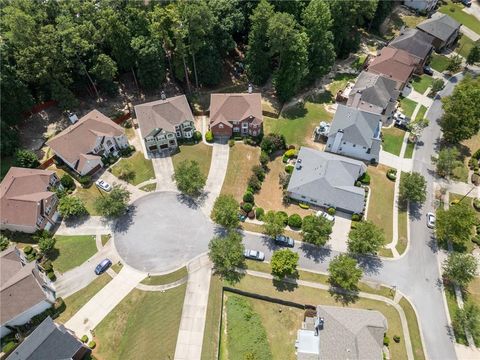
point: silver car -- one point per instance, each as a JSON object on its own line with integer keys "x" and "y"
{"x": 103, "y": 185}
{"x": 431, "y": 220}
{"x": 325, "y": 215}
{"x": 254, "y": 255}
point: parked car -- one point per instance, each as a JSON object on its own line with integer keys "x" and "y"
{"x": 428, "y": 70}
{"x": 283, "y": 240}
{"x": 325, "y": 215}
{"x": 401, "y": 120}
{"x": 103, "y": 185}
{"x": 254, "y": 255}
{"x": 103, "y": 266}
{"x": 467, "y": 3}
{"x": 431, "y": 220}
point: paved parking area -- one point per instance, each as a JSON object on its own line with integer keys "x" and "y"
{"x": 162, "y": 233}
{"x": 341, "y": 228}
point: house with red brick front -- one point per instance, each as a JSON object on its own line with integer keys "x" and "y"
{"x": 236, "y": 114}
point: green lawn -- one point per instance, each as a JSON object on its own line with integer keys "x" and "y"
{"x": 166, "y": 279}
{"x": 409, "y": 150}
{"x": 392, "y": 140}
{"x": 402, "y": 229}
{"x": 76, "y": 301}
{"x": 73, "y": 251}
{"x": 105, "y": 238}
{"x": 142, "y": 167}
{"x": 143, "y": 326}
{"x": 452, "y": 309}
{"x": 421, "y": 83}
{"x": 457, "y": 13}
{"x": 212, "y": 322}
{"x": 439, "y": 62}
{"x": 297, "y": 123}
{"x": 89, "y": 195}
{"x": 339, "y": 82}
{"x": 408, "y": 106}
{"x": 421, "y": 112}
{"x": 413, "y": 329}
{"x": 200, "y": 152}
{"x": 464, "y": 45}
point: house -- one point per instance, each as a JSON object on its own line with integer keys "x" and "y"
{"x": 27, "y": 200}
{"x": 50, "y": 341}
{"x": 395, "y": 64}
{"x": 341, "y": 333}
{"x": 25, "y": 291}
{"x": 415, "y": 42}
{"x": 442, "y": 28}
{"x": 355, "y": 133}
{"x": 374, "y": 93}
{"x": 236, "y": 114}
{"x": 327, "y": 180}
{"x": 82, "y": 145}
{"x": 164, "y": 122}
{"x": 421, "y": 5}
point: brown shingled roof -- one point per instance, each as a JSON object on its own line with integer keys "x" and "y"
{"x": 80, "y": 138}
{"x": 235, "y": 107}
{"x": 21, "y": 191}
{"x": 393, "y": 63}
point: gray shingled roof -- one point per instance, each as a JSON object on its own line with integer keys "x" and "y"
{"x": 359, "y": 126}
{"x": 439, "y": 25}
{"x": 328, "y": 177}
{"x": 414, "y": 42}
{"x": 375, "y": 89}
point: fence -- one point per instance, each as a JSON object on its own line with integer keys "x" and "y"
{"x": 46, "y": 163}
{"x": 39, "y": 107}
{"x": 119, "y": 120}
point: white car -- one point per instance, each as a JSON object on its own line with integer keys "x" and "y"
{"x": 103, "y": 185}
{"x": 325, "y": 215}
{"x": 254, "y": 254}
{"x": 431, "y": 220}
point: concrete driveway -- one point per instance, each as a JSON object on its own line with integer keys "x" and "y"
{"x": 162, "y": 233}
{"x": 341, "y": 228}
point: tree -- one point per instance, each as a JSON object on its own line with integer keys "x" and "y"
{"x": 226, "y": 254}
{"x": 67, "y": 182}
{"x": 448, "y": 159}
{"x": 318, "y": 23}
{"x": 316, "y": 230}
{"x": 4, "y": 242}
{"x": 344, "y": 273}
{"x": 114, "y": 203}
{"x": 71, "y": 206}
{"x": 258, "y": 55}
{"x": 105, "y": 70}
{"x": 46, "y": 241}
{"x": 284, "y": 263}
{"x": 225, "y": 211}
{"x": 127, "y": 173}
{"x": 468, "y": 318}
{"x": 272, "y": 143}
{"x": 295, "y": 221}
{"x": 149, "y": 62}
{"x": 454, "y": 63}
{"x": 455, "y": 224}
{"x": 461, "y": 111}
{"x": 474, "y": 54}
{"x": 26, "y": 158}
{"x": 365, "y": 238}
{"x": 460, "y": 269}
{"x": 413, "y": 188}
{"x": 190, "y": 180}
{"x": 437, "y": 85}
{"x": 273, "y": 224}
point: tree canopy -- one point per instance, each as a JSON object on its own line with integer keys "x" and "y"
{"x": 413, "y": 187}
{"x": 284, "y": 263}
{"x": 225, "y": 211}
{"x": 316, "y": 230}
{"x": 273, "y": 223}
{"x": 344, "y": 273}
{"x": 365, "y": 238}
{"x": 113, "y": 203}
{"x": 189, "y": 178}
{"x": 456, "y": 223}
{"x": 69, "y": 206}
{"x": 460, "y": 268}
{"x": 226, "y": 253}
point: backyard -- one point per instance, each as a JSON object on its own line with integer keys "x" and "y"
{"x": 200, "y": 153}
{"x": 142, "y": 168}
{"x": 144, "y": 323}
{"x": 455, "y": 10}
{"x": 72, "y": 251}
{"x": 392, "y": 140}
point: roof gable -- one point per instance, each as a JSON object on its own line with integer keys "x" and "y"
{"x": 235, "y": 107}
{"x": 415, "y": 42}
{"x": 440, "y": 26}
{"x": 374, "y": 89}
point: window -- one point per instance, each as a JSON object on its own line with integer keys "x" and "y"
{"x": 368, "y": 151}
{"x": 344, "y": 143}
{"x": 220, "y": 126}
{"x": 303, "y": 197}
{"x": 179, "y": 134}
{"x": 354, "y": 145}
{"x": 245, "y": 125}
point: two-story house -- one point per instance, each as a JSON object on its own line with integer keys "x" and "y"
{"x": 417, "y": 43}
{"x": 236, "y": 114}
{"x": 442, "y": 28}
{"x": 25, "y": 291}
{"x": 163, "y": 122}
{"x": 82, "y": 145}
{"x": 28, "y": 201}
{"x": 355, "y": 133}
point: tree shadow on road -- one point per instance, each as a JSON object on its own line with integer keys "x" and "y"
{"x": 315, "y": 253}
{"x": 124, "y": 222}
{"x": 370, "y": 264}
{"x": 415, "y": 211}
{"x": 192, "y": 203}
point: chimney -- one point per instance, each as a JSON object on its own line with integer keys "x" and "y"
{"x": 163, "y": 96}
{"x": 250, "y": 88}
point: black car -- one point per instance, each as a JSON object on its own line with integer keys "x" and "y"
{"x": 428, "y": 70}
{"x": 283, "y": 240}
{"x": 467, "y": 3}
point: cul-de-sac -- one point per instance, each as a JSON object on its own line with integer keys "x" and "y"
{"x": 240, "y": 180}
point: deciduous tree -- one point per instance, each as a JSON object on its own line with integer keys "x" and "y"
{"x": 114, "y": 203}
{"x": 190, "y": 180}
{"x": 26, "y": 158}
{"x": 365, "y": 238}
{"x": 413, "y": 188}
{"x": 273, "y": 224}
{"x": 460, "y": 268}
{"x": 344, "y": 273}
{"x": 468, "y": 318}
{"x": 474, "y": 54}
{"x": 448, "y": 159}
{"x": 455, "y": 224}
{"x": 71, "y": 206}
{"x": 316, "y": 230}
{"x": 225, "y": 211}
{"x": 226, "y": 253}
{"x": 284, "y": 263}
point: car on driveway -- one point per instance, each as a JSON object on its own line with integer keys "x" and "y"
{"x": 103, "y": 185}
{"x": 283, "y": 240}
{"x": 254, "y": 255}
{"x": 467, "y": 3}
{"x": 103, "y": 266}
{"x": 325, "y": 215}
{"x": 428, "y": 70}
{"x": 431, "y": 220}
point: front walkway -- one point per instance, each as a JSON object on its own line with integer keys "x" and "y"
{"x": 163, "y": 167}
{"x": 99, "y": 306}
{"x": 396, "y": 162}
{"x": 216, "y": 175}
{"x": 134, "y": 191}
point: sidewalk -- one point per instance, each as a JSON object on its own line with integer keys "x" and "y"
{"x": 396, "y": 162}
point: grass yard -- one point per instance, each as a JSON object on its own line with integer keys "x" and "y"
{"x": 75, "y": 302}
{"x": 200, "y": 152}
{"x": 392, "y": 140}
{"x": 339, "y": 82}
{"x": 464, "y": 45}
{"x": 166, "y": 279}
{"x": 105, "y": 238}
{"x": 297, "y": 123}
{"x": 409, "y": 150}
{"x": 242, "y": 158}
{"x": 452, "y": 308}
{"x": 89, "y": 195}
{"x": 149, "y": 187}
{"x": 413, "y": 329}
{"x": 73, "y": 251}
{"x": 130, "y": 132}
{"x": 259, "y": 229}
{"x": 212, "y": 322}
{"x": 471, "y": 145}
{"x": 142, "y": 167}
{"x": 144, "y": 323}
{"x": 455, "y": 10}
{"x": 422, "y": 83}
{"x": 474, "y": 291}
{"x": 380, "y": 208}
{"x": 439, "y": 62}
{"x": 402, "y": 228}
{"x": 421, "y": 112}
{"x": 408, "y": 106}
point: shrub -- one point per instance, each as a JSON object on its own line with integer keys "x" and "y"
{"x": 295, "y": 221}
{"x": 248, "y": 197}
{"x": 237, "y": 138}
{"x": 51, "y": 276}
{"x": 476, "y": 239}
{"x": 304, "y": 206}
{"x": 476, "y": 203}
{"x": 392, "y": 174}
{"x": 27, "y": 250}
{"x": 356, "y": 217}
{"x": 272, "y": 143}
{"x": 231, "y": 143}
{"x": 67, "y": 182}
{"x": 289, "y": 169}
{"x": 84, "y": 339}
{"x": 290, "y": 153}
{"x": 250, "y": 189}
{"x": 85, "y": 180}
{"x": 331, "y": 211}
{"x": 4, "y": 242}
{"x": 26, "y": 158}
{"x": 251, "y": 215}
{"x": 358, "y": 183}
{"x": 47, "y": 266}
{"x": 92, "y": 344}
{"x": 127, "y": 151}
{"x": 9, "y": 346}
{"x": 284, "y": 216}
{"x": 284, "y": 159}
{"x": 264, "y": 159}
{"x": 259, "y": 212}
{"x": 259, "y": 172}
{"x": 250, "y": 141}
{"x": 386, "y": 340}
{"x": 247, "y": 207}
{"x": 365, "y": 178}
{"x": 197, "y": 136}
{"x": 209, "y": 136}
{"x": 254, "y": 183}
{"x": 396, "y": 338}
{"x": 476, "y": 179}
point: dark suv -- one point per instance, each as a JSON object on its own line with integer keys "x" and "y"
{"x": 283, "y": 240}
{"x": 103, "y": 266}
